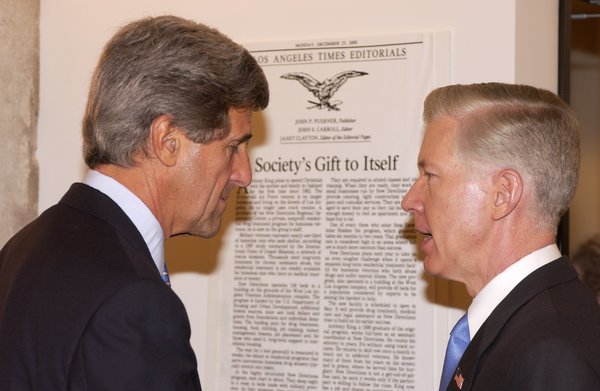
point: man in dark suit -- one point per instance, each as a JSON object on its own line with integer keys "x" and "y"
{"x": 498, "y": 168}
{"x": 84, "y": 296}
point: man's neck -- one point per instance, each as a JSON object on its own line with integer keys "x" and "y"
{"x": 504, "y": 252}
{"x": 146, "y": 184}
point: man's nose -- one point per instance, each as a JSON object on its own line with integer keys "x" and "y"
{"x": 242, "y": 172}
{"x": 411, "y": 201}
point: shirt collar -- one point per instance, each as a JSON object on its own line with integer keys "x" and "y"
{"x": 141, "y": 216}
{"x": 500, "y": 286}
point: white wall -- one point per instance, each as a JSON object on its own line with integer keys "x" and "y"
{"x": 484, "y": 48}
{"x": 492, "y": 40}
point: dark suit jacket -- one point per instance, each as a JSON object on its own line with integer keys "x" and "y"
{"x": 83, "y": 307}
{"x": 544, "y": 336}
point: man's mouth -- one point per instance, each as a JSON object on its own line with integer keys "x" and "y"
{"x": 427, "y": 237}
{"x": 225, "y": 195}
{"x": 425, "y": 233}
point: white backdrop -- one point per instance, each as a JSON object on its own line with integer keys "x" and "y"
{"x": 491, "y": 40}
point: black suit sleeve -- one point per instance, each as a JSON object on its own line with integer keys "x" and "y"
{"x": 552, "y": 365}
{"x": 137, "y": 340}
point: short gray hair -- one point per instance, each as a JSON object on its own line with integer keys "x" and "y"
{"x": 516, "y": 126}
{"x": 172, "y": 66}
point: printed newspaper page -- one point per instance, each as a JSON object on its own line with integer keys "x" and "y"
{"x": 321, "y": 288}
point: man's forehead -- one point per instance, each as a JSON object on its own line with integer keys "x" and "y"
{"x": 240, "y": 121}
{"x": 438, "y": 143}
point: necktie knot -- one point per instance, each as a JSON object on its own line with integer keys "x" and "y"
{"x": 457, "y": 344}
{"x": 461, "y": 329}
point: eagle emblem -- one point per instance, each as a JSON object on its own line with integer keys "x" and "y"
{"x": 323, "y": 90}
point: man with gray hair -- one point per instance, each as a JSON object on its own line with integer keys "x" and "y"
{"x": 84, "y": 296}
{"x": 498, "y": 167}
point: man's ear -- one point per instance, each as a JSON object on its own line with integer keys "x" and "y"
{"x": 165, "y": 140}
{"x": 508, "y": 189}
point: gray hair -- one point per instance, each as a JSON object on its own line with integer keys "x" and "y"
{"x": 166, "y": 66}
{"x": 521, "y": 127}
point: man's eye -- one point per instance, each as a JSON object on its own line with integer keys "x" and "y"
{"x": 428, "y": 176}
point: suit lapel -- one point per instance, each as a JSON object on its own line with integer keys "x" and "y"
{"x": 556, "y": 272}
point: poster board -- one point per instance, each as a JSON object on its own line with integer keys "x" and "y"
{"x": 322, "y": 289}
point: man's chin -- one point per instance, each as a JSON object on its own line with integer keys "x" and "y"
{"x": 432, "y": 266}
{"x": 206, "y": 230}
{"x": 211, "y": 232}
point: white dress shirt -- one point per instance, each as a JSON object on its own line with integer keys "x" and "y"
{"x": 136, "y": 210}
{"x": 500, "y": 286}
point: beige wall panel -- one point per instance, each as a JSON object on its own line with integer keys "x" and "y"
{"x": 19, "y": 70}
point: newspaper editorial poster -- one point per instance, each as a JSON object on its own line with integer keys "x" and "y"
{"x": 321, "y": 288}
